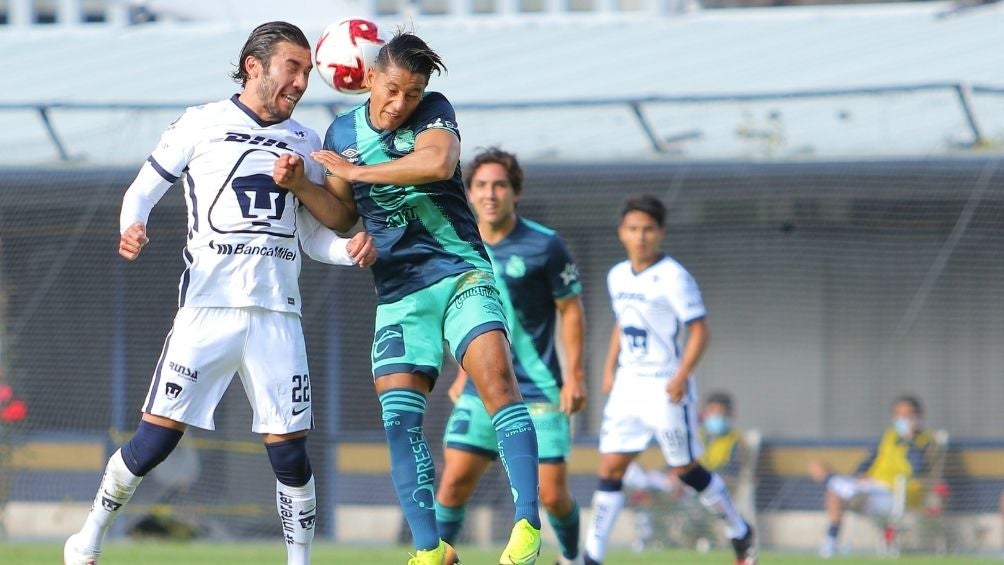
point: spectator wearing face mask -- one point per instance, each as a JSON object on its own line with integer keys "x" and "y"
{"x": 902, "y": 451}
{"x": 722, "y": 441}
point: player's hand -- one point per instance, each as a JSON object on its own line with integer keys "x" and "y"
{"x": 573, "y": 396}
{"x": 677, "y": 388}
{"x": 287, "y": 171}
{"x": 335, "y": 164}
{"x": 457, "y": 387}
{"x": 132, "y": 240}
{"x": 362, "y": 250}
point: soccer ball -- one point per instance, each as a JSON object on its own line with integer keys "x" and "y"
{"x": 344, "y": 52}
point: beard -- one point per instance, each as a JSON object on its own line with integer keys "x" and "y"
{"x": 268, "y": 96}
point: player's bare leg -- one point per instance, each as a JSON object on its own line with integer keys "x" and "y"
{"x": 461, "y": 472}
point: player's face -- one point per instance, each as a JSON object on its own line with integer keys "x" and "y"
{"x": 492, "y": 195}
{"x": 279, "y": 85}
{"x": 394, "y": 95}
{"x": 642, "y": 237}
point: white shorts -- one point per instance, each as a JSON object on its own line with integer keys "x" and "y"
{"x": 876, "y": 498}
{"x": 639, "y": 410}
{"x": 207, "y": 346}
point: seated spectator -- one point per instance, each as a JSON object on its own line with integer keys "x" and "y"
{"x": 903, "y": 450}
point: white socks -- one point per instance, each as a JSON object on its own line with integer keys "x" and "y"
{"x": 117, "y": 486}
{"x": 716, "y": 499}
{"x": 297, "y": 508}
{"x": 607, "y": 506}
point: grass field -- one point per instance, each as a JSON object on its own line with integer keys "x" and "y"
{"x": 274, "y": 554}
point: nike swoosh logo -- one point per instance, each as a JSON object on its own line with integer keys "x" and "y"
{"x": 300, "y": 411}
{"x": 307, "y": 512}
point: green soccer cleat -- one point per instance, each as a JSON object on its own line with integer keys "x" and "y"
{"x": 444, "y": 554}
{"x": 524, "y": 545}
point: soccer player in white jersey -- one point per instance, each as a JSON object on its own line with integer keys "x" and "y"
{"x": 239, "y": 299}
{"x": 649, "y": 378}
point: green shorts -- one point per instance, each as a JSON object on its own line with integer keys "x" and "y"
{"x": 470, "y": 429}
{"x": 411, "y": 331}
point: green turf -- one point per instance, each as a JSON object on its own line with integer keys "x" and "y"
{"x": 324, "y": 553}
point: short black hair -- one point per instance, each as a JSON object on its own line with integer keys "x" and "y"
{"x": 499, "y": 157}
{"x": 647, "y": 203}
{"x": 261, "y": 45}
{"x": 409, "y": 52}
{"x": 912, "y": 401}
{"x": 722, "y": 398}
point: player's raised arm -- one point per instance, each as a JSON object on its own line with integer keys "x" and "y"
{"x": 328, "y": 206}
{"x": 436, "y": 155}
{"x": 323, "y": 244}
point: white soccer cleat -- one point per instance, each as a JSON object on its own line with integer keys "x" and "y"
{"x": 562, "y": 560}
{"x": 828, "y": 549}
{"x": 75, "y": 554}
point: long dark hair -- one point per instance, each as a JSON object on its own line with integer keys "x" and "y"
{"x": 261, "y": 45}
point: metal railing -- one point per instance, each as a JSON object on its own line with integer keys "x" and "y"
{"x": 963, "y": 91}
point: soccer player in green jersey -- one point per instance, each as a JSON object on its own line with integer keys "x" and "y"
{"x": 394, "y": 162}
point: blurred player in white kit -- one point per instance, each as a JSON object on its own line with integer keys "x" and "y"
{"x": 649, "y": 378}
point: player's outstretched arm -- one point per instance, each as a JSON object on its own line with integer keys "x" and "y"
{"x": 610, "y": 365}
{"x": 132, "y": 240}
{"x": 325, "y": 204}
{"x": 435, "y": 158}
{"x": 323, "y": 244}
{"x": 573, "y": 328}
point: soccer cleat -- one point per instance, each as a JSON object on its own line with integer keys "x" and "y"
{"x": 75, "y": 554}
{"x": 524, "y": 545}
{"x": 444, "y": 554}
{"x": 745, "y": 548}
{"x": 829, "y": 548}
{"x": 562, "y": 560}
{"x": 586, "y": 560}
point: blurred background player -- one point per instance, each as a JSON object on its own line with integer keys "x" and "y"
{"x": 394, "y": 161}
{"x": 539, "y": 283}
{"x": 649, "y": 378}
{"x": 238, "y": 311}
{"x": 902, "y": 451}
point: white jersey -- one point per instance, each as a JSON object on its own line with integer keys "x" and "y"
{"x": 651, "y": 308}
{"x": 243, "y": 229}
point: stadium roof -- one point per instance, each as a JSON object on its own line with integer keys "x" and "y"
{"x": 689, "y": 65}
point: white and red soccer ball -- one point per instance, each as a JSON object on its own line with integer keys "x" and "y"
{"x": 345, "y": 50}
